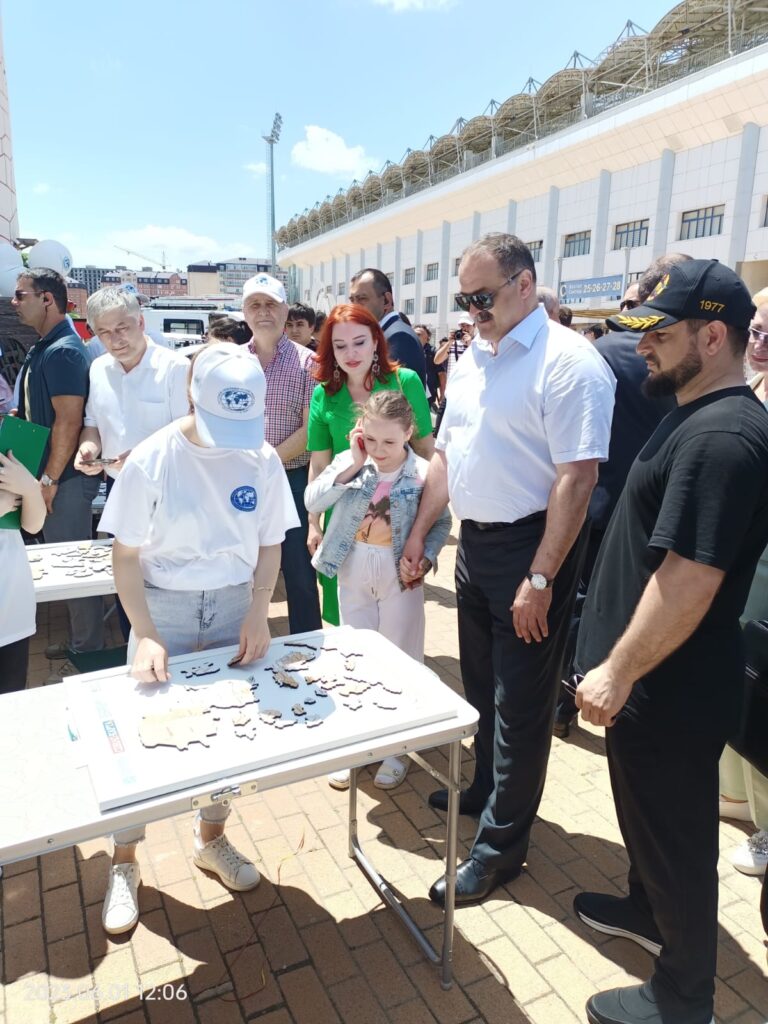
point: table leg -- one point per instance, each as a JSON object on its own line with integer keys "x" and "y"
{"x": 451, "y": 849}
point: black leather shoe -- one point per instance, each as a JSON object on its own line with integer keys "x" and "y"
{"x": 469, "y": 802}
{"x": 474, "y": 883}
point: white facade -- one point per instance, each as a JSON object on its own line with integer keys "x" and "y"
{"x": 696, "y": 144}
{"x": 9, "y": 220}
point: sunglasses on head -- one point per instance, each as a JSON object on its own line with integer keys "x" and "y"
{"x": 759, "y": 336}
{"x": 628, "y": 304}
{"x": 482, "y": 300}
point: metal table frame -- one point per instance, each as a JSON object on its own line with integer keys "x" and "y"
{"x": 36, "y": 719}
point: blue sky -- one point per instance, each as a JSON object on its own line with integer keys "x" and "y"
{"x": 140, "y": 124}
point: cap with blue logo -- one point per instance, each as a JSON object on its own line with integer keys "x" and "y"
{"x": 228, "y": 391}
{"x": 264, "y": 284}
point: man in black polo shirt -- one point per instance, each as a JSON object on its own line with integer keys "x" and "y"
{"x": 660, "y": 640}
{"x": 53, "y": 389}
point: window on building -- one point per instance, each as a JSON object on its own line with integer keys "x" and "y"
{"x": 329, "y": 289}
{"x": 430, "y": 304}
{"x": 431, "y": 271}
{"x": 536, "y": 250}
{"x": 342, "y": 289}
{"x": 707, "y": 220}
{"x": 765, "y": 215}
{"x": 577, "y": 244}
{"x": 631, "y": 235}
{"x": 409, "y": 275}
{"x": 409, "y": 307}
{"x": 456, "y": 265}
{"x": 634, "y": 275}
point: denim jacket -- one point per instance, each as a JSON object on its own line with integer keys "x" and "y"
{"x": 353, "y": 499}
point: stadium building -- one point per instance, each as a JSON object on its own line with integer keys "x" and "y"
{"x": 659, "y": 144}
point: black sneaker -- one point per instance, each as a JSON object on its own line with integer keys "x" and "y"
{"x": 618, "y": 915}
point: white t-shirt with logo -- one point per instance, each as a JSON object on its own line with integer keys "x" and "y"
{"x": 17, "y": 594}
{"x": 199, "y": 515}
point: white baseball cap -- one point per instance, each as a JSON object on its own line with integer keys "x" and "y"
{"x": 264, "y": 284}
{"x": 466, "y": 320}
{"x": 228, "y": 390}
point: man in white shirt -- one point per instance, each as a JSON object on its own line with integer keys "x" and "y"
{"x": 527, "y": 421}
{"x": 136, "y": 388}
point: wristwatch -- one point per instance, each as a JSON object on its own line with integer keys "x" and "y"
{"x": 539, "y": 581}
{"x": 46, "y": 481}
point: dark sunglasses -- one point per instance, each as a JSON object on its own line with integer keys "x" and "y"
{"x": 628, "y": 304}
{"x": 482, "y": 300}
{"x": 21, "y": 292}
{"x": 759, "y": 336}
{"x": 571, "y": 685}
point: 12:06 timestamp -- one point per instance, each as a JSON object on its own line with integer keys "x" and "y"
{"x": 165, "y": 992}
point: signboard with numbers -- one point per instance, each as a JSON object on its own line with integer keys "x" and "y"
{"x": 592, "y": 288}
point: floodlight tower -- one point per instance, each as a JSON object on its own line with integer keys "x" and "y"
{"x": 271, "y": 139}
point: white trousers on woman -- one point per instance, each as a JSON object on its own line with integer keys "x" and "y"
{"x": 370, "y": 598}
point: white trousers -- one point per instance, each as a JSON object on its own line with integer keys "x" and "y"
{"x": 370, "y": 598}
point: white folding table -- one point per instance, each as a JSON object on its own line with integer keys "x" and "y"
{"x": 62, "y": 578}
{"x": 49, "y": 801}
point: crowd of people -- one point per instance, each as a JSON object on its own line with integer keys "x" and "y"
{"x": 612, "y": 496}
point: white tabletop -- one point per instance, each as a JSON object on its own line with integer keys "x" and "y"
{"x": 49, "y": 801}
{"x": 72, "y": 569}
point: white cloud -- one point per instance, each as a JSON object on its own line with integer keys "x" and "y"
{"x": 325, "y": 151}
{"x": 398, "y": 6}
{"x": 257, "y": 170}
{"x": 180, "y": 246}
{"x": 41, "y": 188}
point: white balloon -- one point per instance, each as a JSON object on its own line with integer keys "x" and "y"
{"x": 10, "y": 258}
{"x": 52, "y": 255}
{"x": 8, "y": 280}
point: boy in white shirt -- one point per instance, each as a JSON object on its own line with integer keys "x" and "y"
{"x": 198, "y": 513}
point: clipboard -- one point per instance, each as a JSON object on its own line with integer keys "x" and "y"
{"x": 27, "y": 441}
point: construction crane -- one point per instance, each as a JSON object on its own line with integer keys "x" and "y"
{"x": 158, "y": 263}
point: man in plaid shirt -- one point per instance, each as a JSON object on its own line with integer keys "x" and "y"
{"x": 288, "y": 369}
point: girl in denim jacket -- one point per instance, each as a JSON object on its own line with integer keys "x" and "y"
{"x": 375, "y": 489}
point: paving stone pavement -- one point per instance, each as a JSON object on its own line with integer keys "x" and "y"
{"x": 313, "y": 944}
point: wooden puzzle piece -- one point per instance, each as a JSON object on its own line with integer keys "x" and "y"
{"x": 205, "y": 668}
{"x": 313, "y": 720}
{"x": 298, "y": 709}
{"x": 284, "y": 723}
{"x": 354, "y": 688}
{"x": 287, "y": 680}
{"x": 353, "y": 705}
{"x": 292, "y": 660}
{"x": 178, "y": 728}
{"x": 225, "y": 693}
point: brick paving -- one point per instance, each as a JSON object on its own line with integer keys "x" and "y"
{"x": 313, "y": 944}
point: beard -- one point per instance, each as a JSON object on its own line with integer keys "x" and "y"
{"x": 669, "y": 382}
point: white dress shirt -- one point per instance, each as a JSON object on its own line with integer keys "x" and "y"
{"x": 127, "y": 407}
{"x": 545, "y": 399}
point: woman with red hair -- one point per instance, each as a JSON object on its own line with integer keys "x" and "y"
{"x": 352, "y": 361}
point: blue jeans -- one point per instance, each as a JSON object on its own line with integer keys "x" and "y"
{"x": 300, "y": 578}
{"x": 72, "y": 519}
{"x": 187, "y": 621}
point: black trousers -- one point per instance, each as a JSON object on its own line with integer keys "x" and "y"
{"x": 14, "y": 659}
{"x": 513, "y": 685}
{"x": 665, "y": 784}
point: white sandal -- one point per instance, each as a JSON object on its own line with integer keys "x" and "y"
{"x": 392, "y": 772}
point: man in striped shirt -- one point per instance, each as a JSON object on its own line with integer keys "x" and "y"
{"x": 288, "y": 370}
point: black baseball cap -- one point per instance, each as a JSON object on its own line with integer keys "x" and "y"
{"x": 693, "y": 290}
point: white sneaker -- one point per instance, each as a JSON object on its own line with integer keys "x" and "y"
{"x": 339, "y": 780}
{"x": 392, "y": 772}
{"x": 220, "y": 857}
{"x": 751, "y": 858}
{"x": 735, "y": 810}
{"x": 121, "y": 904}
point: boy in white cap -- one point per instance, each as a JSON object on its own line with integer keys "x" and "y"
{"x": 198, "y": 513}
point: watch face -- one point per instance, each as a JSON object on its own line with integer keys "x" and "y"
{"x": 538, "y": 582}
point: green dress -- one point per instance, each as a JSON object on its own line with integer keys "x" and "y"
{"x": 332, "y": 417}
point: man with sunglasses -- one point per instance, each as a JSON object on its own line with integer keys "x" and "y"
{"x": 527, "y": 420}
{"x": 660, "y": 640}
{"x": 53, "y": 388}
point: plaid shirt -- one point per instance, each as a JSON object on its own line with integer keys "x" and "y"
{"x": 289, "y": 389}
